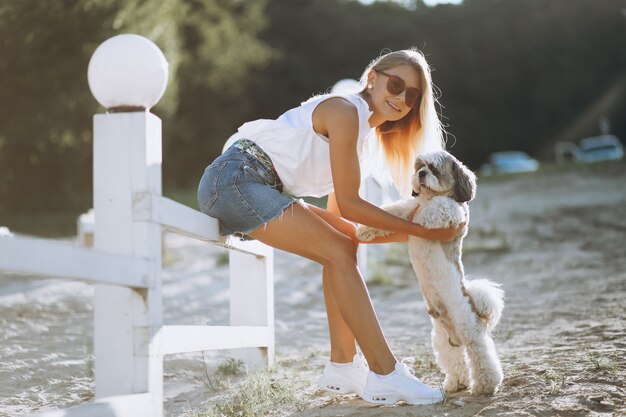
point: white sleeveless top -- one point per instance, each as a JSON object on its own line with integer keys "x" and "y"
{"x": 300, "y": 155}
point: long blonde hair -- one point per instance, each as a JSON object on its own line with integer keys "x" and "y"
{"x": 419, "y": 132}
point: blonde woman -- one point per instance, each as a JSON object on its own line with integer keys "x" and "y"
{"x": 316, "y": 150}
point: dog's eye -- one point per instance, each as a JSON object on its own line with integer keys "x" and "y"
{"x": 433, "y": 170}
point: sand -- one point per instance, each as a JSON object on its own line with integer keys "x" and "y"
{"x": 556, "y": 240}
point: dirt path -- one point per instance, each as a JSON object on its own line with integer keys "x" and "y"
{"x": 555, "y": 240}
{"x": 557, "y": 243}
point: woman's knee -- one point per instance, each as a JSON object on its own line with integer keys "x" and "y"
{"x": 341, "y": 249}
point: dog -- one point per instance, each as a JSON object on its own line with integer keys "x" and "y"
{"x": 462, "y": 312}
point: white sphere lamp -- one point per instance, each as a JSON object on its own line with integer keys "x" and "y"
{"x": 346, "y": 86}
{"x": 127, "y": 73}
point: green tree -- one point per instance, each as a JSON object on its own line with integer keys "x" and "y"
{"x": 512, "y": 73}
{"x": 46, "y": 107}
{"x": 221, "y": 55}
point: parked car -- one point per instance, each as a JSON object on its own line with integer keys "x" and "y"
{"x": 509, "y": 162}
{"x": 601, "y": 148}
{"x": 592, "y": 149}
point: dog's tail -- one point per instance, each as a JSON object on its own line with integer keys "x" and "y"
{"x": 488, "y": 300}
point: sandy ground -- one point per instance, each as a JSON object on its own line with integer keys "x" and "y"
{"x": 555, "y": 240}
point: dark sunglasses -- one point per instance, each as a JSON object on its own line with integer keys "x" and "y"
{"x": 396, "y": 85}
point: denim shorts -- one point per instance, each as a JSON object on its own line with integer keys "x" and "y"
{"x": 242, "y": 190}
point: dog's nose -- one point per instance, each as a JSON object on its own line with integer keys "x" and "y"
{"x": 422, "y": 174}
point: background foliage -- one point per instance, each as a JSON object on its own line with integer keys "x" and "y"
{"x": 514, "y": 74}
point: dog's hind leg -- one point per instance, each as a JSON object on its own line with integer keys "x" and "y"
{"x": 485, "y": 369}
{"x": 451, "y": 359}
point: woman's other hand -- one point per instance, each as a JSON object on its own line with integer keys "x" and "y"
{"x": 443, "y": 235}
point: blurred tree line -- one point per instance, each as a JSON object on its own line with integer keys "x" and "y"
{"x": 513, "y": 74}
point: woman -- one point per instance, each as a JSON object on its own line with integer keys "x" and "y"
{"x": 315, "y": 150}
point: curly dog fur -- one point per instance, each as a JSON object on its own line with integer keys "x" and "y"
{"x": 463, "y": 312}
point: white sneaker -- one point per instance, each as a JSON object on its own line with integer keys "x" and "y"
{"x": 344, "y": 378}
{"x": 400, "y": 385}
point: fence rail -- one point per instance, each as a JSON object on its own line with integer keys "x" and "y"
{"x": 180, "y": 219}
{"x": 45, "y": 258}
{"x": 185, "y": 339}
{"x": 132, "y": 405}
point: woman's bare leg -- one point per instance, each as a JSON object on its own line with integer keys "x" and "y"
{"x": 299, "y": 230}
{"x": 342, "y": 342}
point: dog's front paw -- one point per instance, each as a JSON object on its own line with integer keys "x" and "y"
{"x": 366, "y": 233}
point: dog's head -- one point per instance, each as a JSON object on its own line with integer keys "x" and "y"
{"x": 440, "y": 173}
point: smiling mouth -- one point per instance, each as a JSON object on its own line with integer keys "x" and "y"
{"x": 393, "y": 106}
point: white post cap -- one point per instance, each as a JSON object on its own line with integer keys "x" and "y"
{"x": 127, "y": 73}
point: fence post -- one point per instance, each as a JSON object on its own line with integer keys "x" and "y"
{"x": 252, "y": 302}
{"x": 127, "y": 75}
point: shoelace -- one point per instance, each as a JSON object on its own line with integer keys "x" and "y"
{"x": 407, "y": 368}
{"x": 404, "y": 362}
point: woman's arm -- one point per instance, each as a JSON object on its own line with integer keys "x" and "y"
{"x": 333, "y": 210}
{"x": 339, "y": 119}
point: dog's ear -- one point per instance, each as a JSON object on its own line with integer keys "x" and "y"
{"x": 464, "y": 183}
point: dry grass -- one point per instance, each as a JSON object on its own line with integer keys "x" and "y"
{"x": 258, "y": 394}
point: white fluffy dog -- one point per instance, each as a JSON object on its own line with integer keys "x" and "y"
{"x": 462, "y": 312}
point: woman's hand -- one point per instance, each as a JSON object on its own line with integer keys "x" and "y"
{"x": 443, "y": 235}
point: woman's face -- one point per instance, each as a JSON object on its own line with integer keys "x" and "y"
{"x": 391, "y": 106}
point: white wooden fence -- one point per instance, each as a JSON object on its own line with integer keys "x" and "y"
{"x": 130, "y": 338}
